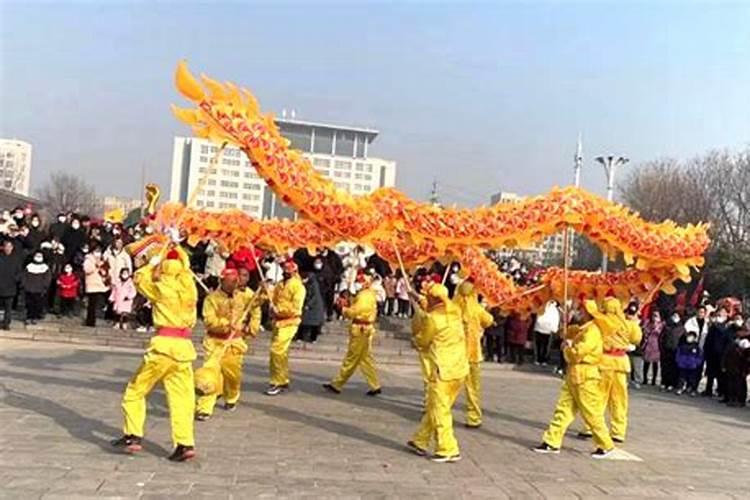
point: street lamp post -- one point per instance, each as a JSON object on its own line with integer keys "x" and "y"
{"x": 610, "y": 164}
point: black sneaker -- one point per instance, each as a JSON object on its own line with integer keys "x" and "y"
{"x": 230, "y": 406}
{"x": 331, "y": 388}
{"x": 601, "y": 454}
{"x": 202, "y": 417}
{"x": 182, "y": 453}
{"x": 472, "y": 426}
{"x": 618, "y": 440}
{"x": 128, "y": 443}
{"x": 545, "y": 448}
{"x": 416, "y": 449}
{"x": 584, "y": 435}
{"x": 443, "y": 459}
{"x": 374, "y": 392}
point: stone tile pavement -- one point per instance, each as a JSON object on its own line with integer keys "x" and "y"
{"x": 59, "y": 406}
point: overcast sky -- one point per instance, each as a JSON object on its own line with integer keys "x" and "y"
{"x": 480, "y": 97}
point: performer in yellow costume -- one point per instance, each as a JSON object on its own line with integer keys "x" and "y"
{"x": 170, "y": 288}
{"x": 476, "y": 319}
{"x": 620, "y": 335}
{"x": 286, "y": 310}
{"x": 581, "y": 390}
{"x": 442, "y": 337}
{"x": 227, "y": 312}
{"x": 363, "y": 313}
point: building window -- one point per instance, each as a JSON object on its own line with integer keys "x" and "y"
{"x": 368, "y": 177}
{"x": 359, "y": 167}
{"x": 204, "y": 159}
{"x": 209, "y": 204}
{"x": 321, "y": 162}
{"x": 357, "y": 176}
{"x": 211, "y": 182}
{"x": 368, "y": 167}
{"x": 227, "y": 205}
{"x": 345, "y": 143}
{"x": 323, "y": 141}
{"x": 204, "y": 149}
{"x": 343, "y": 165}
{"x": 210, "y": 193}
{"x": 230, "y": 184}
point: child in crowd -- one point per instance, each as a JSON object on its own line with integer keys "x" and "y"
{"x": 123, "y": 293}
{"x": 689, "y": 362}
{"x": 402, "y": 294}
{"x": 68, "y": 287}
{"x": 36, "y": 280}
{"x": 389, "y": 284}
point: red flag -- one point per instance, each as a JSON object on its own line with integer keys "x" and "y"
{"x": 697, "y": 293}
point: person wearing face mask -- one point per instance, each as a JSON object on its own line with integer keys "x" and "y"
{"x": 73, "y": 239}
{"x": 36, "y": 236}
{"x": 719, "y": 337}
{"x": 122, "y": 296}
{"x": 736, "y": 367}
{"x": 11, "y": 270}
{"x": 68, "y": 287}
{"x": 313, "y": 311}
{"x": 118, "y": 259}
{"x": 363, "y": 313}
{"x": 96, "y": 277}
{"x": 19, "y": 216}
{"x": 476, "y": 319}
{"x": 689, "y": 361}
{"x": 36, "y": 280}
{"x": 57, "y": 229}
{"x": 673, "y": 331}
{"x": 286, "y": 310}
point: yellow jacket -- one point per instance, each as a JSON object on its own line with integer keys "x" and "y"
{"x": 223, "y": 314}
{"x": 476, "y": 319}
{"x": 173, "y": 300}
{"x": 585, "y": 355}
{"x": 288, "y": 300}
{"x": 618, "y": 337}
{"x": 364, "y": 310}
{"x": 253, "y": 302}
{"x": 440, "y": 334}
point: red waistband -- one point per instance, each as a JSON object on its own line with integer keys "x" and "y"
{"x": 169, "y": 331}
{"x": 616, "y": 352}
{"x": 284, "y": 318}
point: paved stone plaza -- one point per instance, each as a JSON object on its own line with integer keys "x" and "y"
{"x": 59, "y": 407}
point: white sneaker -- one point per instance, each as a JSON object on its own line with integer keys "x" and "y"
{"x": 600, "y": 454}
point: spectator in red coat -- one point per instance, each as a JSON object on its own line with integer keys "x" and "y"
{"x": 68, "y": 286}
{"x": 517, "y": 334}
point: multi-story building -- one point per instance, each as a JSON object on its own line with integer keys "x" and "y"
{"x": 337, "y": 152}
{"x": 548, "y": 251}
{"x": 15, "y": 166}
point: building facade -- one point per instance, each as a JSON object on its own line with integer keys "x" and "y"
{"x": 548, "y": 251}
{"x": 339, "y": 153}
{"x": 15, "y": 166}
{"x": 110, "y": 203}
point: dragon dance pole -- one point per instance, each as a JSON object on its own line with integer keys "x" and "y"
{"x": 566, "y": 265}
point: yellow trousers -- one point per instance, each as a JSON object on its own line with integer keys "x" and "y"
{"x": 474, "y": 395}
{"x": 424, "y": 365}
{"x": 230, "y": 375}
{"x": 279, "y": 358}
{"x": 359, "y": 355}
{"x": 614, "y": 387}
{"x": 177, "y": 377}
{"x": 437, "y": 422}
{"x": 586, "y": 399}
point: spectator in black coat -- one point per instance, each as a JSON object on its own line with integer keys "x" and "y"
{"x": 36, "y": 236}
{"x": 719, "y": 337}
{"x": 313, "y": 312}
{"x": 10, "y": 274}
{"x": 73, "y": 239}
{"x": 57, "y": 230}
{"x": 36, "y": 280}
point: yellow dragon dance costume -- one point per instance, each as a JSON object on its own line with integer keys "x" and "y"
{"x": 170, "y": 288}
